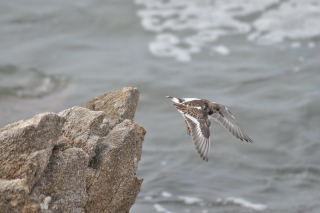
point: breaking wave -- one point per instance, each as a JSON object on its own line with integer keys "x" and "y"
{"x": 26, "y": 83}
{"x": 184, "y": 27}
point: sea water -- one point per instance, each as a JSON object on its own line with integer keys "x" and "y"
{"x": 259, "y": 58}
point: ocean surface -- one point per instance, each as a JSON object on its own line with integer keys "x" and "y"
{"x": 260, "y": 58}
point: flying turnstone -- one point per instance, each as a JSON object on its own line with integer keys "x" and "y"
{"x": 197, "y": 113}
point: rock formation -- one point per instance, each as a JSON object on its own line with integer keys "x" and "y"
{"x": 82, "y": 159}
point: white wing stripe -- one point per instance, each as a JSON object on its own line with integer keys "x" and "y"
{"x": 197, "y": 107}
{"x": 196, "y": 122}
{"x": 202, "y": 143}
{"x": 189, "y": 99}
{"x": 175, "y": 100}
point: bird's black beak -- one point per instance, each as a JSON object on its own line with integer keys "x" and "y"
{"x": 221, "y": 114}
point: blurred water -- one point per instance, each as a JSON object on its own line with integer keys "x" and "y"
{"x": 259, "y": 59}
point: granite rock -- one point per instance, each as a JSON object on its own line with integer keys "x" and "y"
{"x": 82, "y": 159}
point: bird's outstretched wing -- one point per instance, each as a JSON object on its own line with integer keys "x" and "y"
{"x": 200, "y": 132}
{"x": 199, "y": 124}
{"x": 227, "y": 120}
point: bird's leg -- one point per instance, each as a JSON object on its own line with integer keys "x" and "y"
{"x": 188, "y": 129}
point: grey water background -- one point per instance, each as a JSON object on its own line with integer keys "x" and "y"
{"x": 260, "y": 60}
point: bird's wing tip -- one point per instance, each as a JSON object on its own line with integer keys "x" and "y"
{"x": 250, "y": 140}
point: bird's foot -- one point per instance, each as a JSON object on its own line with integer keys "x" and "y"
{"x": 188, "y": 129}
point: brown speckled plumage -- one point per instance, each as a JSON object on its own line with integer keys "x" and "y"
{"x": 197, "y": 113}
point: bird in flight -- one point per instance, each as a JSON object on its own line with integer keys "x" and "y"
{"x": 197, "y": 113}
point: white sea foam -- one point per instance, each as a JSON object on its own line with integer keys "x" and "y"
{"x": 222, "y": 50}
{"x": 242, "y": 202}
{"x": 165, "y": 45}
{"x": 160, "y": 208}
{"x": 190, "y": 200}
{"x": 311, "y": 44}
{"x": 166, "y": 194}
{"x": 293, "y": 19}
{"x": 148, "y": 198}
{"x": 184, "y": 27}
{"x": 295, "y": 44}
